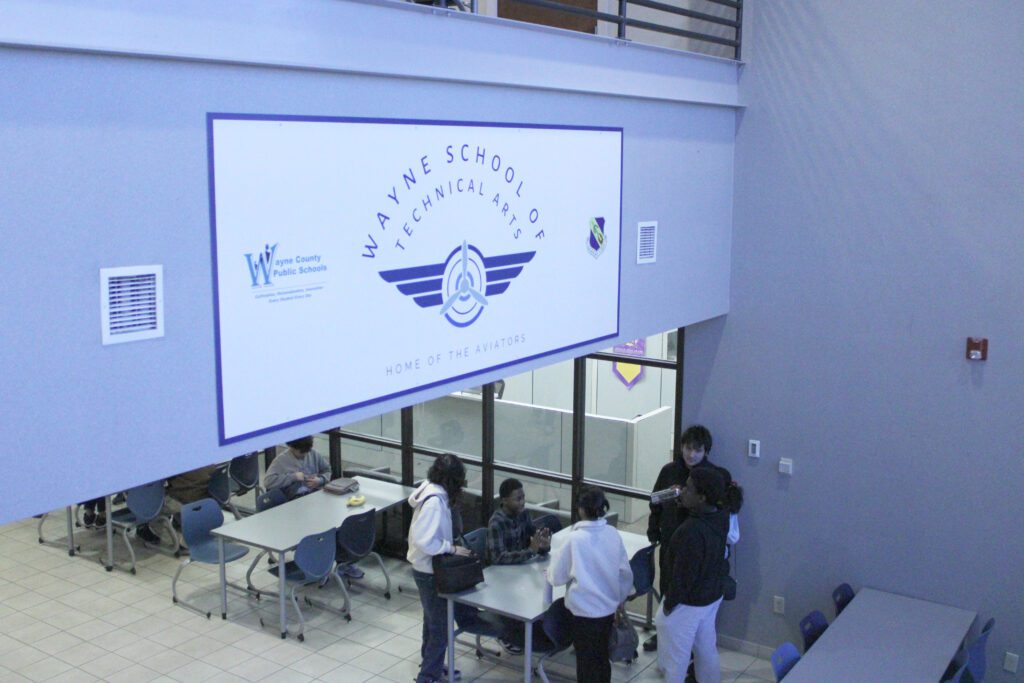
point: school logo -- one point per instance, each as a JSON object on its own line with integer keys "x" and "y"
{"x": 596, "y": 239}
{"x": 462, "y": 284}
{"x": 262, "y": 266}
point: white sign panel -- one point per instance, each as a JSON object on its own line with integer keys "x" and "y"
{"x": 359, "y": 260}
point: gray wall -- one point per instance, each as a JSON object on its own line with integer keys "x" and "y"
{"x": 103, "y": 148}
{"x": 879, "y": 199}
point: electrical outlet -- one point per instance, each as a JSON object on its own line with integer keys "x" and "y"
{"x": 786, "y": 466}
{"x": 779, "y": 604}
{"x": 754, "y": 448}
{"x": 1010, "y": 662}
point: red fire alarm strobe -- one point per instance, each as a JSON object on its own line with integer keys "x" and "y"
{"x": 977, "y": 348}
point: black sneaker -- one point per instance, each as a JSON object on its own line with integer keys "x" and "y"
{"x": 89, "y": 519}
{"x": 456, "y": 677}
{"x": 147, "y": 535}
{"x": 510, "y": 647}
{"x": 651, "y": 644}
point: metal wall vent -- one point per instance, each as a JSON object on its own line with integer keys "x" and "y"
{"x": 647, "y": 242}
{"x": 131, "y": 303}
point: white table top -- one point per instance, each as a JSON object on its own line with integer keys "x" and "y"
{"x": 517, "y": 590}
{"x": 281, "y": 528}
{"x": 885, "y": 637}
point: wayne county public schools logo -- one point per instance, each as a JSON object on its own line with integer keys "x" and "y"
{"x": 262, "y": 267}
{"x": 462, "y": 284}
{"x": 596, "y": 240}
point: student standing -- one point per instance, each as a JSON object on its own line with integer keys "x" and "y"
{"x": 594, "y": 566}
{"x": 697, "y": 557}
{"x": 430, "y": 534}
{"x": 666, "y": 518}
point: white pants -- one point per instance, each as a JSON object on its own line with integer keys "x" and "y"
{"x": 688, "y": 628}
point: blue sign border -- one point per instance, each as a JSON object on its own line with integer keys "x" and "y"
{"x": 211, "y": 117}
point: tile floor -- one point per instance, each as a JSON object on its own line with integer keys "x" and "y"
{"x": 67, "y": 619}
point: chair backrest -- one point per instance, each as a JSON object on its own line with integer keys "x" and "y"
{"x": 976, "y": 660}
{"x": 198, "y": 519}
{"x": 219, "y": 487}
{"x": 642, "y": 564}
{"x": 841, "y": 596}
{"x": 356, "y": 535}
{"x": 811, "y": 627}
{"x": 244, "y": 470}
{"x": 476, "y": 540}
{"x": 557, "y": 625}
{"x": 270, "y": 499}
{"x": 550, "y": 522}
{"x": 146, "y": 501}
{"x": 783, "y": 659}
{"x": 315, "y": 554}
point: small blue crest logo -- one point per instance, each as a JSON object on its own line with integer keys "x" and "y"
{"x": 596, "y": 239}
{"x": 462, "y": 284}
{"x": 262, "y": 266}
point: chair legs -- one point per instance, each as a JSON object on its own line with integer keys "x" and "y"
{"x": 384, "y": 571}
{"x": 174, "y": 591}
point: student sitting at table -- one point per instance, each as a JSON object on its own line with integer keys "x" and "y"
{"x": 595, "y": 570}
{"x": 512, "y": 539}
{"x": 299, "y": 470}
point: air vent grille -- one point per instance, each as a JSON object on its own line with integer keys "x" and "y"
{"x": 647, "y": 242}
{"x": 131, "y": 303}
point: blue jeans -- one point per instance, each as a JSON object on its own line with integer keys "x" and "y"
{"x": 435, "y": 626}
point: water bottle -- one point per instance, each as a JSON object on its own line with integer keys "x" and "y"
{"x": 664, "y": 495}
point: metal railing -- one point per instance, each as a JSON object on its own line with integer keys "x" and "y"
{"x": 708, "y": 26}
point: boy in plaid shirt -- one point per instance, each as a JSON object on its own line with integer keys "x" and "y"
{"x": 513, "y": 539}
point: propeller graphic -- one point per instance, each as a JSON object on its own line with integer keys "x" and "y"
{"x": 465, "y": 288}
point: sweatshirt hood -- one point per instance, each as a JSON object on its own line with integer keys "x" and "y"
{"x": 424, "y": 490}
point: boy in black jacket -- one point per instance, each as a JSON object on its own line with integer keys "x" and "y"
{"x": 666, "y": 518}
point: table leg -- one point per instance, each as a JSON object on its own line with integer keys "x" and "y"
{"x": 71, "y": 532}
{"x": 281, "y": 595}
{"x": 110, "y": 533}
{"x": 223, "y": 579}
{"x": 451, "y": 638}
{"x": 528, "y": 654}
{"x": 650, "y": 611}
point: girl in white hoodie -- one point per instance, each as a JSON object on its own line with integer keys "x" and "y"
{"x": 594, "y": 566}
{"x": 431, "y": 534}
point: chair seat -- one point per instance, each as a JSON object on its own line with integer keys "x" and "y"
{"x": 291, "y": 572}
{"x": 207, "y": 553}
{"x": 124, "y": 516}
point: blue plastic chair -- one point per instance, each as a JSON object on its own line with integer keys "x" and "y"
{"x": 219, "y": 489}
{"x": 144, "y": 504}
{"x": 355, "y": 538}
{"x": 976, "y": 659}
{"x": 784, "y": 658}
{"x": 314, "y": 560}
{"x": 841, "y": 596}
{"x": 642, "y": 564}
{"x": 244, "y": 476}
{"x": 557, "y": 625}
{"x": 198, "y": 519}
{"x": 476, "y": 540}
{"x": 811, "y": 627}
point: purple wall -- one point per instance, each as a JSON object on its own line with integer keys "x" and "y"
{"x": 879, "y": 203}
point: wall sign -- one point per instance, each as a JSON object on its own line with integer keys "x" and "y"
{"x": 358, "y": 260}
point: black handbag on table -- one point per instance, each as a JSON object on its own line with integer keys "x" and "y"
{"x": 456, "y": 573}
